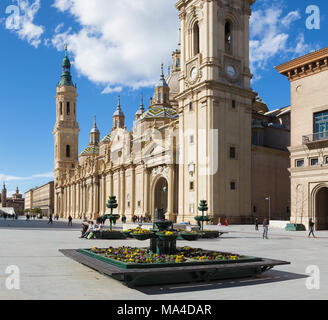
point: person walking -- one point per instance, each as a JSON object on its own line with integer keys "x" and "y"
{"x": 50, "y": 219}
{"x": 311, "y": 226}
{"x": 70, "y": 219}
{"x": 257, "y": 224}
{"x": 265, "y": 228}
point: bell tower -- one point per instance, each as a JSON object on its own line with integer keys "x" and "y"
{"x": 215, "y": 109}
{"x": 66, "y": 131}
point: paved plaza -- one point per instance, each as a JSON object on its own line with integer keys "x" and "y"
{"x": 46, "y": 274}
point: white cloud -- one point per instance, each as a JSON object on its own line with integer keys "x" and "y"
{"x": 23, "y": 24}
{"x": 270, "y": 37}
{"x": 4, "y": 177}
{"x": 120, "y": 43}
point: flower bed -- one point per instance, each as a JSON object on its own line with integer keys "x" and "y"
{"x": 142, "y": 234}
{"x": 167, "y": 235}
{"x": 127, "y": 257}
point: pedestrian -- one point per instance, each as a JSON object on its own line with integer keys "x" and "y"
{"x": 226, "y": 222}
{"x": 265, "y": 228}
{"x": 257, "y": 224}
{"x": 50, "y": 219}
{"x": 219, "y": 224}
{"x": 85, "y": 227}
{"x": 311, "y": 226}
{"x": 70, "y": 219}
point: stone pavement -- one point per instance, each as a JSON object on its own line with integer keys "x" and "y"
{"x": 47, "y": 274}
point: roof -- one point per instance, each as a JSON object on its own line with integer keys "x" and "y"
{"x": 90, "y": 150}
{"x": 278, "y": 112}
{"x": 107, "y": 138}
{"x": 160, "y": 112}
{"x": 300, "y": 61}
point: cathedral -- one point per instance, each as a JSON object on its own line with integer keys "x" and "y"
{"x": 16, "y": 201}
{"x": 206, "y": 135}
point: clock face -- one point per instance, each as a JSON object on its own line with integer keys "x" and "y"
{"x": 231, "y": 71}
{"x": 193, "y": 73}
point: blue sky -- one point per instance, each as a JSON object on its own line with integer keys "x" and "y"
{"x": 116, "y": 47}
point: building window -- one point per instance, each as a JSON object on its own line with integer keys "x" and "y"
{"x": 300, "y": 163}
{"x": 260, "y": 139}
{"x": 228, "y": 38}
{"x": 139, "y": 203}
{"x": 232, "y": 185}
{"x": 254, "y": 209}
{"x": 254, "y": 138}
{"x": 233, "y": 104}
{"x": 196, "y": 38}
{"x": 326, "y": 160}
{"x": 314, "y": 161}
{"x": 321, "y": 125}
{"x": 232, "y": 153}
{"x": 190, "y": 106}
{"x": 191, "y": 186}
{"x": 61, "y": 108}
{"x": 68, "y": 109}
{"x": 68, "y": 151}
{"x": 165, "y": 98}
{"x": 191, "y": 139}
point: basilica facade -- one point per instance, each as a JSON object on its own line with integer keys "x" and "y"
{"x": 206, "y": 135}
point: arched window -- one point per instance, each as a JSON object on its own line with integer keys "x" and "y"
{"x": 228, "y": 37}
{"x": 68, "y": 151}
{"x": 68, "y": 109}
{"x": 196, "y": 38}
{"x": 61, "y": 108}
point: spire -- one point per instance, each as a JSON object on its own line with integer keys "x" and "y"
{"x": 118, "y": 111}
{"x": 141, "y": 109}
{"x": 162, "y": 82}
{"x": 94, "y": 128}
{"x": 66, "y": 78}
{"x": 4, "y": 186}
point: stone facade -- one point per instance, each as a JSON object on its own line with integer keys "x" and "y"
{"x": 194, "y": 142}
{"x": 16, "y": 201}
{"x": 41, "y": 197}
{"x": 308, "y": 77}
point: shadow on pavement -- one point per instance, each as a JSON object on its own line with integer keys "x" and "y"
{"x": 268, "y": 277}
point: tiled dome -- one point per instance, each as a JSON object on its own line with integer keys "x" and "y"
{"x": 160, "y": 112}
{"x": 107, "y": 138}
{"x": 89, "y": 151}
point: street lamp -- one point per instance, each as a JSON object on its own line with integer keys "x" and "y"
{"x": 269, "y": 199}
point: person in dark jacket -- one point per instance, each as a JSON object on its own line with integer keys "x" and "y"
{"x": 256, "y": 224}
{"x": 311, "y": 227}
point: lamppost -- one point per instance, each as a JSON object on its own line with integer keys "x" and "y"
{"x": 269, "y": 199}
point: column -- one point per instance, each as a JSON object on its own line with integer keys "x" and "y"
{"x": 170, "y": 196}
{"x": 122, "y": 192}
{"x": 146, "y": 196}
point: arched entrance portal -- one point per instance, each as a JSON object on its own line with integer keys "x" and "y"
{"x": 161, "y": 195}
{"x": 321, "y": 212}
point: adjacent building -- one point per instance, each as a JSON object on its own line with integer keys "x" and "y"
{"x": 41, "y": 197}
{"x": 308, "y": 76}
{"x": 205, "y": 134}
{"x": 16, "y": 201}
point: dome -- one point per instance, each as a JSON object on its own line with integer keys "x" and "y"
{"x": 107, "y": 138}
{"x": 173, "y": 82}
{"x": 160, "y": 112}
{"x": 90, "y": 151}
